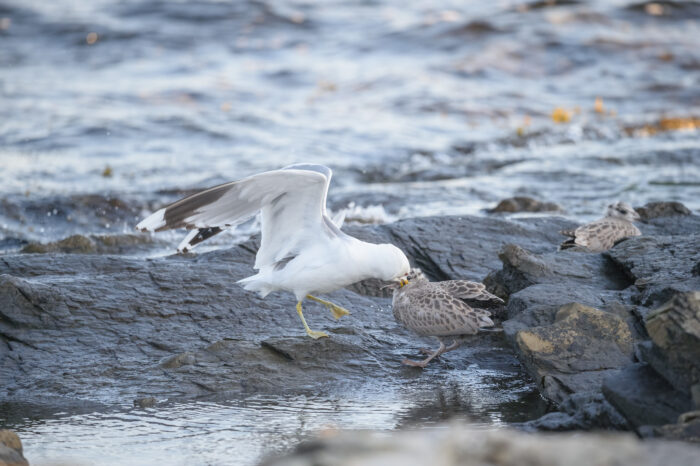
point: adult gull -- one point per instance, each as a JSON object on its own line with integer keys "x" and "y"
{"x": 301, "y": 250}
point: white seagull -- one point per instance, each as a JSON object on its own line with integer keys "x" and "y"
{"x": 301, "y": 250}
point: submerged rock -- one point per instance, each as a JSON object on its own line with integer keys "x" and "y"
{"x": 461, "y": 445}
{"x": 145, "y": 402}
{"x": 524, "y": 204}
{"x": 92, "y": 244}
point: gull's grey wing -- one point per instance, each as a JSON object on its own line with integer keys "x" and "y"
{"x": 292, "y": 201}
{"x": 465, "y": 289}
{"x": 436, "y": 313}
{"x": 602, "y": 234}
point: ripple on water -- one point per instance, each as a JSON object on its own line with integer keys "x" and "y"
{"x": 241, "y": 431}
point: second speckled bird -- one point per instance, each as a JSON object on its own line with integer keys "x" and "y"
{"x": 441, "y": 310}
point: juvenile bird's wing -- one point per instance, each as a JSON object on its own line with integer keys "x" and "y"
{"x": 602, "y": 234}
{"x": 465, "y": 289}
{"x": 292, "y": 201}
{"x": 435, "y": 312}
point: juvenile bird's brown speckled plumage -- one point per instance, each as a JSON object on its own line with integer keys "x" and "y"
{"x": 441, "y": 309}
{"x": 602, "y": 234}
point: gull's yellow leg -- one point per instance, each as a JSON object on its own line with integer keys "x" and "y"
{"x": 336, "y": 310}
{"x": 312, "y": 333}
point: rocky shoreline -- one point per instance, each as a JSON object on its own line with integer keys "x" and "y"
{"x": 610, "y": 339}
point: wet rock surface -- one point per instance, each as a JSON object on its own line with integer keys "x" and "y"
{"x": 573, "y": 354}
{"x": 674, "y": 350}
{"x": 458, "y": 444}
{"x": 173, "y": 327}
{"x": 178, "y": 327}
{"x": 644, "y": 397}
{"x": 589, "y": 329}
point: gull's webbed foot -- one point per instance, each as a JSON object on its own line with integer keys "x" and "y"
{"x": 312, "y": 333}
{"x": 337, "y": 311}
{"x": 315, "y": 334}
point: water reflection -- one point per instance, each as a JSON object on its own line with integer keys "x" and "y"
{"x": 240, "y": 431}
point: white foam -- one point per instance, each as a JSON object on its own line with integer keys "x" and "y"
{"x": 371, "y": 214}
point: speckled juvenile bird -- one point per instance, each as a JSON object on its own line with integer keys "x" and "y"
{"x": 441, "y": 310}
{"x": 602, "y": 234}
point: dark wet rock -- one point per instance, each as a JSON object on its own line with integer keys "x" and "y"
{"x": 179, "y": 326}
{"x": 459, "y": 444}
{"x": 538, "y": 305}
{"x": 539, "y": 284}
{"x": 576, "y": 352}
{"x": 76, "y": 244}
{"x": 580, "y": 411}
{"x": 570, "y": 360}
{"x": 11, "y": 449}
{"x": 464, "y": 247}
{"x": 556, "y": 421}
{"x": 644, "y": 397}
{"x": 92, "y": 244}
{"x": 522, "y": 268}
{"x": 659, "y": 266}
{"x": 592, "y": 410}
{"x": 674, "y": 350}
{"x": 524, "y": 204}
{"x": 654, "y": 210}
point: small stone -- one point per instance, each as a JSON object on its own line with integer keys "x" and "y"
{"x": 146, "y": 402}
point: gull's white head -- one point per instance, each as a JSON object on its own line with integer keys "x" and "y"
{"x": 622, "y": 210}
{"x": 393, "y": 263}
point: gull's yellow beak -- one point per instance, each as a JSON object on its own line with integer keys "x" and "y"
{"x": 403, "y": 282}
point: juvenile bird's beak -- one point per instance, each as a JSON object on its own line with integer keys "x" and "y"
{"x": 396, "y": 283}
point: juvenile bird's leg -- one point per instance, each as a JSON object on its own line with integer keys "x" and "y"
{"x": 425, "y": 361}
{"x": 455, "y": 344}
{"x": 336, "y": 310}
{"x": 312, "y": 333}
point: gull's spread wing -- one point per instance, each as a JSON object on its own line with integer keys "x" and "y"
{"x": 292, "y": 201}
